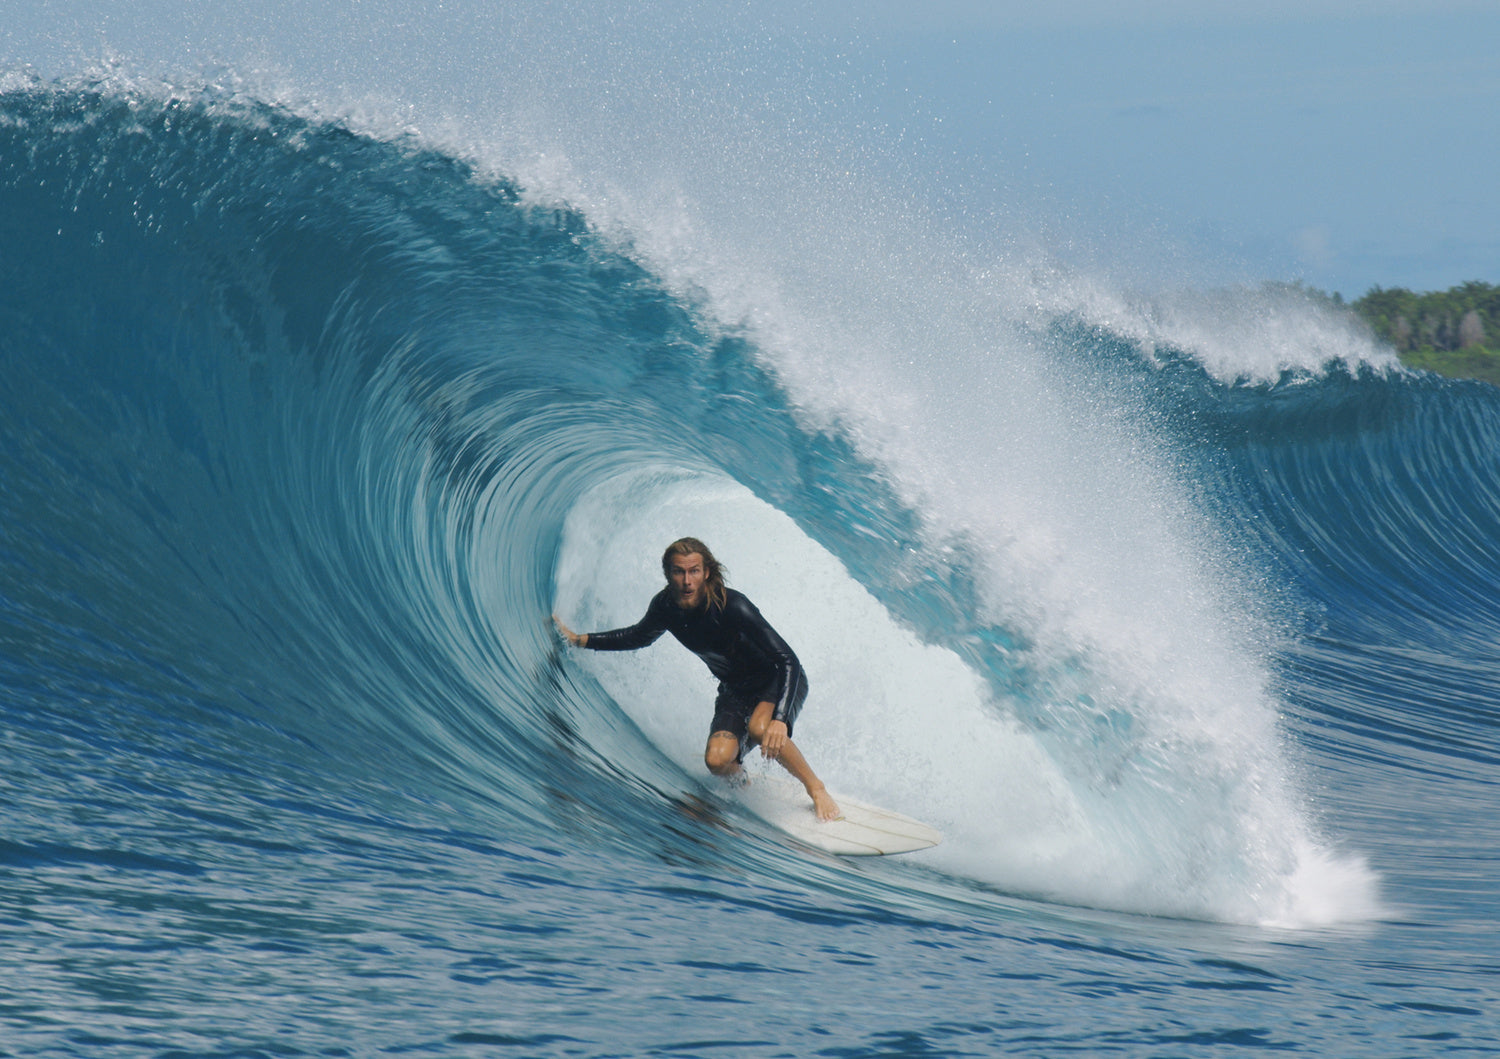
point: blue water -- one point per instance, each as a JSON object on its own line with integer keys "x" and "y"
{"x": 1179, "y": 620}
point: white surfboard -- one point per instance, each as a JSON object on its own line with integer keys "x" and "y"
{"x": 863, "y": 831}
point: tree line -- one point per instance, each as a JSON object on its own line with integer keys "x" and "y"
{"x": 1455, "y": 332}
{"x": 1465, "y": 317}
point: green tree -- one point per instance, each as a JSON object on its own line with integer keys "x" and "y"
{"x": 1441, "y": 331}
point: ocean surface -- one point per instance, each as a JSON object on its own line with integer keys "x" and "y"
{"x": 1179, "y": 616}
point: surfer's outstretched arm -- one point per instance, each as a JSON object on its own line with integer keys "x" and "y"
{"x": 643, "y": 633}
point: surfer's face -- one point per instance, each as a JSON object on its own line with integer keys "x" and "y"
{"x": 686, "y": 573}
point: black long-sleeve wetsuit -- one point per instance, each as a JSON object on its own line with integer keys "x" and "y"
{"x": 752, "y": 662}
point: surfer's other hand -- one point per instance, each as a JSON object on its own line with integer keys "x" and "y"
{"x": 573, "y": 638}
{"x": 774, "y": 740}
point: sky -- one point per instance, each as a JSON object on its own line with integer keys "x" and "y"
{"x": 1343, "y": 143}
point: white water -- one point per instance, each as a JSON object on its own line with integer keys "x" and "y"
{"x": 1141, "y": 816}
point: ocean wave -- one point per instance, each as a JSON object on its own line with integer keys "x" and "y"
{"x": 308, "y": 430}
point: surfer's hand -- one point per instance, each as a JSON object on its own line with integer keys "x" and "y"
{"x": 572, "y": 637}
{"x": 775, "y": 739}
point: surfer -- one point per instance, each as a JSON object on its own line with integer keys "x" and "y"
{"x": 761, "y": 683}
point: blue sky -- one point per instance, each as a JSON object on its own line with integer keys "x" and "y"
{"x": 1346, "y": 144}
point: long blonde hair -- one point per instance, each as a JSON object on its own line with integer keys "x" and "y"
{"x": 713, "y": 578}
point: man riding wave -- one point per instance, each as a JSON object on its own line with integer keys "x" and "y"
{"x": 761, "y": 684}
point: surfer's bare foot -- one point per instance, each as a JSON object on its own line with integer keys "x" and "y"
{"x": 826, "y": 807}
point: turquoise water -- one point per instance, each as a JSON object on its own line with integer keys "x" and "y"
{"x": 309, "y": 428}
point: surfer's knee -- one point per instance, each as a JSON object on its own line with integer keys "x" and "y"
{"x": 722, "y": 753}
{"x": 721, "y": 764}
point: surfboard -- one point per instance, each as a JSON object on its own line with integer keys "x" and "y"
{"x": 863, "y": 831}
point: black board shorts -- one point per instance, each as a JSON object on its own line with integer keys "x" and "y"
{"x": 733, "y": 707}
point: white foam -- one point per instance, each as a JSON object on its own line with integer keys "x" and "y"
{"x": 1159, "y": 821}
{"x": 889, "y": 719}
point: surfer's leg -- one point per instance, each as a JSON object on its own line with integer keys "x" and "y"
{"x": 728, "y": 739}
{"x": 722, "y": 755}
{"x": 792, "y": 760}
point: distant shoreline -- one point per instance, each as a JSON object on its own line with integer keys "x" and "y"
{"x": 1477, "y": 362}
{"x": 1455, "y": 332}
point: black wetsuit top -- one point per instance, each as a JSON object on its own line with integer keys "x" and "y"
{"x": 738, "y": 645}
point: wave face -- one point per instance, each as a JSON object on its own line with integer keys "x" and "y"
{"x": 306, "y": 433}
